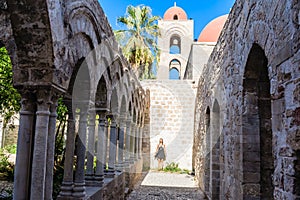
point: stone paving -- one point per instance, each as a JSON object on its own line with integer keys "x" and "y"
{"x": 164, "y": 186}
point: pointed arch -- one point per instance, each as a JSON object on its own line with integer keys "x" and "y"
{"x": 258, "y": 160}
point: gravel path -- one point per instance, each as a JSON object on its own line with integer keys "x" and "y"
{"x": 165, "y": 186}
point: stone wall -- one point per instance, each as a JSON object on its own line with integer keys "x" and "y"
{"x": 171, "y": 113}
{"x": 246, "y": 138}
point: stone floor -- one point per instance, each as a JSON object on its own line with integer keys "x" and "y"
{"x": 164, "y": 186}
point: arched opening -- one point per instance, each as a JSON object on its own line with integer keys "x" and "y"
{"x": 175, "y": 17}
{"x": 258, "y": 160}
{"x": 101, "y": 94}
{"x": 207, "y": 152}
{"x": 76, "y": 101}
{"x": 215, "y": 152}
{"x": 10, "y": 100}
{"x": 114, "y": 104}
{"x": 174, "y": 73}
{"x": 175, "y": 44}
{"x": 121, "y": 132}
{"x": 101, "y": 108}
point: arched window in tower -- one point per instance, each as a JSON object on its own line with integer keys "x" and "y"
{"x": 175, "y": 44}
{"x": 174, "y": 70}
{"x": 175, "y": 17}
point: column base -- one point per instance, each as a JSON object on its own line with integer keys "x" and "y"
{"x": 99, "y": 180}
{"x": 90, "y": 180}
{"x": 109, "y": 173}
{"x": 66, "y": 189}
{"x": 79, "y": 190}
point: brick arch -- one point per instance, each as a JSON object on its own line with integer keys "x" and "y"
{"x": 258, "y": 160}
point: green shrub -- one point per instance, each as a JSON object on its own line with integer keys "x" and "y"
{"x": 12, "y": 149}
{"x": 172, "y": 167}
{"x": 6, "y": 168}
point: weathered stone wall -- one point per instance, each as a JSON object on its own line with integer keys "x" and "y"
{"x": 171, "y": 113}
{"x": 255, "y": 61}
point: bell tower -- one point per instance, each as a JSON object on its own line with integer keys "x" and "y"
{"x": 175, "y": 43}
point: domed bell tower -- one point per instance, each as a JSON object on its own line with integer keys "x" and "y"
{"x": 177, "y": 33}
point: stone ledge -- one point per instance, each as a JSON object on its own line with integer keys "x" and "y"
{"x": 113, "y": 188}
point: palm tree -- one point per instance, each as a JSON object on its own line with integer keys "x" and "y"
{"x": 138, "y": 40}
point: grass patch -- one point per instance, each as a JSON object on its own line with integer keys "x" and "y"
{"x": 173, "y": 168}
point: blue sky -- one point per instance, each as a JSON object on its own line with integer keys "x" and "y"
{"x": 202, "y": 11}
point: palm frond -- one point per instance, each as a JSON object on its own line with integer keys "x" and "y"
{"x": 138, "y": 39}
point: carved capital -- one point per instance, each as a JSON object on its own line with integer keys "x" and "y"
{"x": 27, "y": 102}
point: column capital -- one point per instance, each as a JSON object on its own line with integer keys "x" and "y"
{"x": 102, "y": 112}
{"x": 123, "y": 120}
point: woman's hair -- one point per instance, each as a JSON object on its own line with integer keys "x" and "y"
{"x": 162, "y": 141}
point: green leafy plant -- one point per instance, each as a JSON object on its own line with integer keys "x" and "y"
{"x": 6, "y": 168}
{"x": 12, "y": 149}
{"x": 138, "y": 39}
{"x": 173, "y": 168}
{"x": 9, "y": 96}
{"x": 59, "y": 155}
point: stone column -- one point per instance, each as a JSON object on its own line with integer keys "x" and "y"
{"x": 128, "y": 138}
{"x": 51, "y": 149}
{"x": 137, "y": 141}
{"x": 67, "y": 184}
{"x": 141, "y": 140}
{"x": 79, "y": 183}
{"x": 133, "y": 142}
{"x": 22, "y": 167}
{"x": 101, "y": 149}
{"x": 106, "y": 142}
{"x": 91, "y": 150}
{"x": 39, "y": 161}
{"x": 112, "y": 147}
{"x": 121, "y": 142}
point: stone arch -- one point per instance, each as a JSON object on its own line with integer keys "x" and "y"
{"x": 81, "y": 18}
{"x": 129, "y": 108}
{"x": 175, "y": 17}
{"x": 81, "y": 88}
{"x": 175, "y": 44}
{"x": 207, "y": 151}
{"x": 123, "y": 107}
{"x": 101, "y": 94}
{"x": 258, "y": 160}
{"x": 215, "y": 151}
{"x": 174, "y": 69}
{"x": 178, "y": 30}
{"x": 114, "y": 101}
{"x": 79, "y": 49}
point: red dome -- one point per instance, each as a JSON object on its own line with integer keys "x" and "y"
{"x": 212, "y": 30}
{"x": 175, "y": 13}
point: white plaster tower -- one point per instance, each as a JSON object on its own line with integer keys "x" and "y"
{"x": 175, "y": 42}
